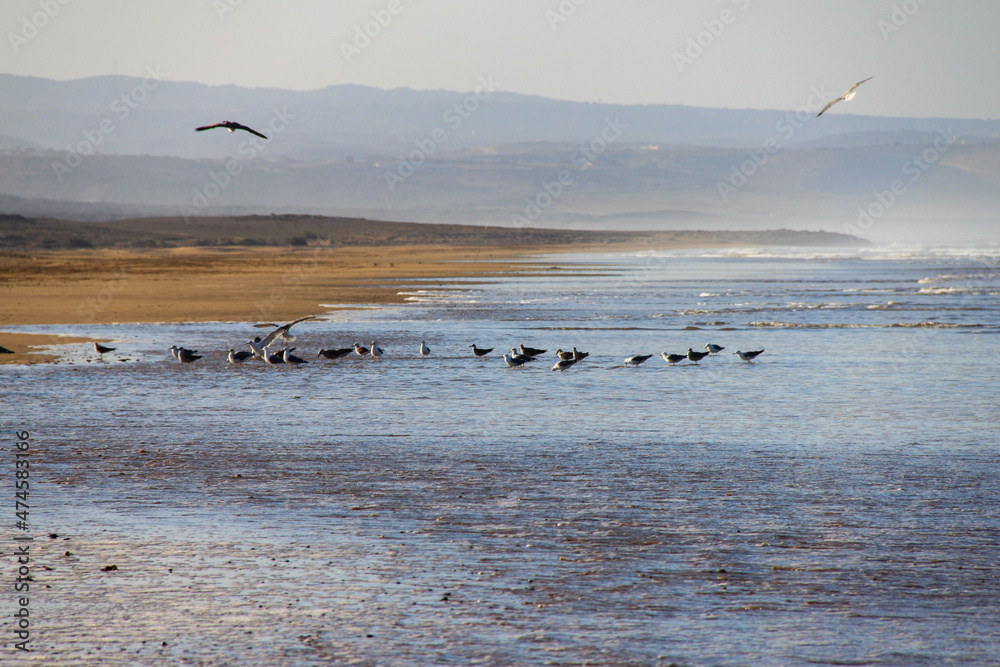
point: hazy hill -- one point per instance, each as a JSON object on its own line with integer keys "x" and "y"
{"x": 157, "y": 117}
{"x": 18, "y": 233}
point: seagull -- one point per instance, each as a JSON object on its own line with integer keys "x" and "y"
{"x": 636, "y": 359}
{"x": 281, "y": 331}
{"x": 580, "y": 356}
{"x": 4, "y": 350}
{"x": 175, "y": 351}
{"x": 238, "y": 357}
{"x": 846, "y": 96}
{"x": 696, "y": 356}
{"x": 748, "y": 356}
{"x": 376, "y": 350}
{"x": 514, "y": 361}
{"x": 564, "y": 355}
{"x": 530, "y": 351}
{"x": 334, "y": 353}
{"x": 424, "y": 350}
{"x": 186, "y": 356}
{"x": 480, "y": 352}
{"x": 231, "y": 126}
{"x": 673, "y": 358}
{"x": 258, "y": 349}
{"x": 290, "y": 358}
{"x": 274, "y": 359}
{"x": 523, "y": 358}
{"x": 101, "y": 349}
{"x": 713, "y": 348}
{"x": 360, "y": 350}
{"x": 563, "y": 364}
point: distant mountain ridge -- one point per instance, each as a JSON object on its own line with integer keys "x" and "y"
{"x": 152, "y": 115}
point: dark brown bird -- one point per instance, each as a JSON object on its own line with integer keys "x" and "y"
{"x": 231, "y": 126}
{"x": 479, "y": 351}
{"x": 334, "y": 353}
{"x": 101, "y": 349}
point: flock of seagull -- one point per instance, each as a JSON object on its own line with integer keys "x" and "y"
{"x": 516, "y": 357}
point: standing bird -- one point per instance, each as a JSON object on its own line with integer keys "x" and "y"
{"x": 376, "y": 350}
{"x": 580, "y": 356}
{"x": 101, "y": 349}
{"x": 696, "y": 356}
{"x": 563, "y": 364}
{"x": 847, "y": 97}
{"x": 673, "y": 358}
{"x": 530, "y": 351}
{"x": 238, "y": 357}
{"x": 748, "y": 356}
{"x": 275, "y": 358}
{"x": 480, "y": 352}
{"x": 334, "y": 353}
{"x": 564, "y": 355}
{"x": 713, "y": 348}
{"x": 514, "y": 361}
{"x": 186, "y": 356}
{"x": 290, "y": 358}
{"x": 360, "y": 350}
{"x": 231, "y": 126}
{"x": 636, "y": 359}
{"x": 424, "y": 350}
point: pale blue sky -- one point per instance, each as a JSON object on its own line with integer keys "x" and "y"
{"x": 928, "y": 57}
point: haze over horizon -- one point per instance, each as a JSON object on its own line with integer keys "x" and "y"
{"x": 927, "y": 59}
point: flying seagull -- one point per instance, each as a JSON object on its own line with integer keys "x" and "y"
{"x": 748, "y": 356}
{"x": 101, "y": 349}
{"x": 281, "y": 331}
{"x": 846, "y": 96}
{"x": 231, "y": 126}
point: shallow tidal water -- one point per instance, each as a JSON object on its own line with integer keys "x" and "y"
{"x": 837, "y": 502}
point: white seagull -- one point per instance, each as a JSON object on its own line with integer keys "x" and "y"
{"x": 673, "y": 358}
{"x": 713, "y": 348}
{"x": 424, "y": 350}
{"x": 376, "y": 350}
{"x": 514, "y": 361}
{"x": 563, "y": 364}
{"x": 847, "y": 97}
{"x": 636, "y": 359}
{"x": 238, "y": 357}
{"x": 748, "y": 356}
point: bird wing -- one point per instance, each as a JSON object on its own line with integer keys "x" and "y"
{"x": 828, "y": 105}
{"x": 238, "y": 126}
{"x": 282, "y": 331}
{"x": 851, "y": 89}
{"x": 209, "y": 127}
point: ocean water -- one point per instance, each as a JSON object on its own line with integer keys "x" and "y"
{"x": 836, "y": 502}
